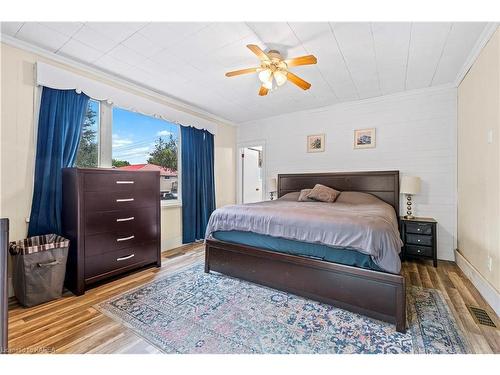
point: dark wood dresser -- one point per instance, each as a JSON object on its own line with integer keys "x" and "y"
{"x": 419, "y": 236}
{"x": 112, "y": 219}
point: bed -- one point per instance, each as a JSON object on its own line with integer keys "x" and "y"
{"x": 344, "y": 265}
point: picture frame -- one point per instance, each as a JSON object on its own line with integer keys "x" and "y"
{"x": 316, "y": 143}
{"x": 364, "y": 138}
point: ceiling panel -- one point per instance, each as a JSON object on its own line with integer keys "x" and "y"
{"x": 127, "y": 55}
{"x": 10, "y": 28}
{"x": 187, "y": 61}
{"x": 278, "y": 36}
{"x": 355, "y": 41}
{"x": 65, "y": 28}
{"x": 42, "y": 36}
{"x": 117, "y": 31}
{"x": 141, "y": 44}
{"x": 165, "y": 34}
{"x": 426, "y": 46}
{"x": 94, "y": 39}
{"x": 391, "y": 42}
{"x": 317, "y": 39}
{"x": 79, "y": 51}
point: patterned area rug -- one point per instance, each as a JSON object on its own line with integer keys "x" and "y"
{"x": 194, "y": 312}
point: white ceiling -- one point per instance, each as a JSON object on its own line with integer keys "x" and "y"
{"x": 187, "y": 61}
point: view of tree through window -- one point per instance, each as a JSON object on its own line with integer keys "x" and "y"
{"x": 88, "y": 150}
{"x": 143, "y": 142}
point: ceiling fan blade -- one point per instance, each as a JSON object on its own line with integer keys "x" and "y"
{"x": 304, "y": 85}
{"x": 256, "y": 49}
{"x": 302, "y": 60}
{"x": 263, "y": 91}
{"x": 242, "y": 71}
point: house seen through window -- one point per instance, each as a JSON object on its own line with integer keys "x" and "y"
{"x": 143, "y": 142}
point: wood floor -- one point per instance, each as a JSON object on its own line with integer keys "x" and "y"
{"x": 72, "y": 325}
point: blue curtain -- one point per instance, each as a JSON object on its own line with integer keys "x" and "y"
{"x": 59, "y": 129}
{"x": 198, "y": 187}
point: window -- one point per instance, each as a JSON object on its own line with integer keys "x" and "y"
{"x": 88, "y": 150}
{"x": 141, "y": 142}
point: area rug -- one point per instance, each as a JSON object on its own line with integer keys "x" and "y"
{"x": 194, "y": 312}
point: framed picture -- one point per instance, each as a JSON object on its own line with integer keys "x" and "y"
{"x": 316, "y": 143}
{"x": 364, "y": 138}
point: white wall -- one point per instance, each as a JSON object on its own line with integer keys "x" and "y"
{"x": 416, "y": 134}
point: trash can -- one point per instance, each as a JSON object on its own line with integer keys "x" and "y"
{"x": 39, "y": 267}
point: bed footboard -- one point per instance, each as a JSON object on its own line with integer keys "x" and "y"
{"x": 375, "y": 294}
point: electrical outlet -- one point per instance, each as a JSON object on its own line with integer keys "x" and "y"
{"x": 490, "y": 263}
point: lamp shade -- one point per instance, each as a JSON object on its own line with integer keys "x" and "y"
{"x": 272, "y": 184}
{"x": 410, "y": 185}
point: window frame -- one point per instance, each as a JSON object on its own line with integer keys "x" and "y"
{"x": 106, "y": 152}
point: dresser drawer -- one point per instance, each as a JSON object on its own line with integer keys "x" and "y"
{"x": 102, "y": 243}
{"x": 120, "y": 181}
{"x": 419, "y": 228}
{"x": 419, "y": 250}
{"x": 416, "y": 239}
{"x": 119, "y": 221}
{"x": 116, "y": 200}
{"x": 120, "y": 260}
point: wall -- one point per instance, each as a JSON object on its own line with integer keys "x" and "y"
{"x": 479, "y": 164}
{"x": 18, "y": 148}
{"x": 415, "y": 134}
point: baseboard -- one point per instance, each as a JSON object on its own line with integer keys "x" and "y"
{"x": 171, "y": 243}
{"x": 482, "y": 285}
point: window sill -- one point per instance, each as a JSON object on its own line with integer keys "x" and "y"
{"x": 175, "y": 204}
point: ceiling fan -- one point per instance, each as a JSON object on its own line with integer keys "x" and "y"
{"x": 273, "y": 70}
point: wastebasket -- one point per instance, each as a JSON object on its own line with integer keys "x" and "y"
{"x": 39, "y": 267}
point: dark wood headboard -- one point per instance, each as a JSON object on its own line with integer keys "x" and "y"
{"x": 382, "y": 184}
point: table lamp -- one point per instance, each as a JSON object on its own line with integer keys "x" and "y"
{"x": 410, "y": 185}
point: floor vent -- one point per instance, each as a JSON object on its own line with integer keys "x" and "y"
{"x": 481, "y": 316}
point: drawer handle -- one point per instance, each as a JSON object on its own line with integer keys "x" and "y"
{"x": 418, "y": 240}
{"x": 418, "y": 250}
{"x": 125, "y": 258}
{"x": 125, "y": 238}
{"x": 125, "y": 200}
{"x": 125, "y": 219}
{"x": 125, "y": 182}
{"x": 418, "y": 229}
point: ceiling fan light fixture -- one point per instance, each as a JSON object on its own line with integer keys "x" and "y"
{"x": 265, "y": 76}
{"x": 273, "y": 70}
{"x": 280, "y": 77}
{"x": 270, "y": 85}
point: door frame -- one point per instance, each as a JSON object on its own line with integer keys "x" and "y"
{"x": 239, "y": 169}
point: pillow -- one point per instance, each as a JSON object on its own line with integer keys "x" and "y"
{"x": 356, "y": 197}
{"x": 303, "y": 196}
{"x": 323, "y": 193}
{"x": 293, "y": 196}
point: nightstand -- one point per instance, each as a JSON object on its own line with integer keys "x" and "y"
{"x": 419, "y": 236}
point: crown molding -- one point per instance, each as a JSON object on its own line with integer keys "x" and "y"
{"x": 481, "y": 42}
{"x": 160, "y": 96}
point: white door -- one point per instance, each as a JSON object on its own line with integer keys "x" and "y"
{"x": 251, "y": 166}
